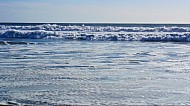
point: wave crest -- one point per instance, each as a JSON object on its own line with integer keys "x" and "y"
{"x": 55, "y": 27}
{"x": 96, "y": 36}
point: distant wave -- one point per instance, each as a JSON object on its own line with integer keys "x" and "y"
{"x": 96, "y": 33}
{"x": 55, "y": 27}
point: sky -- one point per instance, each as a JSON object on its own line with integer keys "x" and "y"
{"x": 96, "y": 11}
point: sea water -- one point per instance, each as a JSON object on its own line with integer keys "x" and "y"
{"x": 95, "y": 64}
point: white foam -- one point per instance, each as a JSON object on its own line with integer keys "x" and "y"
{"x": 99, "y": 33}
{"x": 55, "y": 27}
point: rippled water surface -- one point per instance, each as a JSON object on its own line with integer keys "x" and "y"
{"x": 49, "y": 72}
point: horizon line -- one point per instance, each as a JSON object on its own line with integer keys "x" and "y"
{"x": 92, "y": 23}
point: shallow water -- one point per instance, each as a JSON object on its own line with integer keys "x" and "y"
{"x": 50, "y": 72}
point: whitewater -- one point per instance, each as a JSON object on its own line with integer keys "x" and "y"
{"x": 107, "y": 32}
{"x": 53, "y": 64}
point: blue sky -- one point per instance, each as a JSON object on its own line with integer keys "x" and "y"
{"x": 118, "y": 11}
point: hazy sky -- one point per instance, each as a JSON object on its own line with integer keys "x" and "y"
{"x": 128, "y": 11}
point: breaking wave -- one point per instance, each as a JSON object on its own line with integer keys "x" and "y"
{"x": 96, "y": 33}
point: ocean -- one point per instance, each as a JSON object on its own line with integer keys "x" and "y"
{"x": 94, "y": 64}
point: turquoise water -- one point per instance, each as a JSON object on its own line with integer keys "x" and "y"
{"x": 50, "y": 72}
